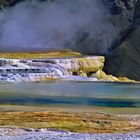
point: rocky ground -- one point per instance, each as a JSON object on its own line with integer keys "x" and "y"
{"x": 44, "y": 134}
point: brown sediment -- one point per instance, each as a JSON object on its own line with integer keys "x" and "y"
{"x": 72, "y": 121}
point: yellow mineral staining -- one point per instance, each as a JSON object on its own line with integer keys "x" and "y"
{"x": 111, "y": 78}
{"x": 49, "y": 54}
{"x": 91, "y": 64}
{"x": 125, "y": 79}
{"x": 73, "y": 63}
{"x": 81, "y": 73}
{"x": 101, "y": 75}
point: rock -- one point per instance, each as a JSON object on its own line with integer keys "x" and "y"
{"x": 123, "y": 58}
{"x": 12, "y": 70}
{"x": 99, "y": 74}
{"x": 127, "y": 9}
{"x": 118, "y": 6}
{"x": 125, "y": 79}
{"x": 123, "y": 61}
{"x": 110, "y": 78}
{"x": 91, "y": 64}
{"x": 81, "y": 73}
{"x": 85, "y": 64}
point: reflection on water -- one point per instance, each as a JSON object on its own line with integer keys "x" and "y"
{"x": 65, "y": 93}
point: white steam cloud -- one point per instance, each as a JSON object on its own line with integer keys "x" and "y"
{"x": 82, "y": 25}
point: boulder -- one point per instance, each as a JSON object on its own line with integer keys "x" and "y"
{"x": 101, "y": 75}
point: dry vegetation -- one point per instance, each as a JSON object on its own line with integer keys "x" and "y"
{"x": 76, "y": 122}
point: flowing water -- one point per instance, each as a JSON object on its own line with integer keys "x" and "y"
{"x": 87, "y": 96}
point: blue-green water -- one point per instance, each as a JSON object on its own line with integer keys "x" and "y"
{"x": 95, "y": 94}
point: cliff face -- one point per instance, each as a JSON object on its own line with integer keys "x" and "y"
{"x": 123, "y": 59}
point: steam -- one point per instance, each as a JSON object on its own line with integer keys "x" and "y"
{"x": 81, "y": 25}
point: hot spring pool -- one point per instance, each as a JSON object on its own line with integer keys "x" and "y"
{"x": 98, "y": 96}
